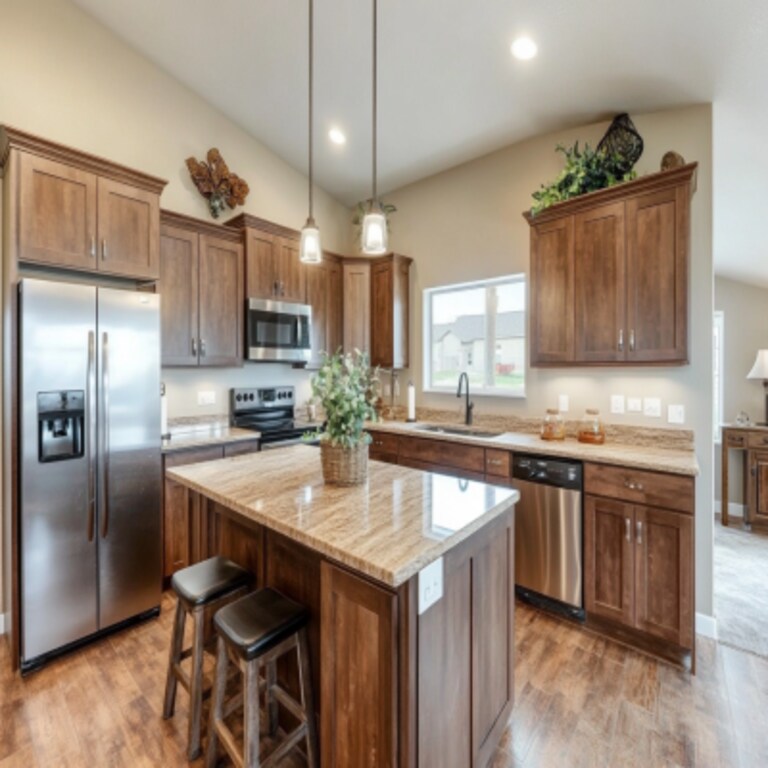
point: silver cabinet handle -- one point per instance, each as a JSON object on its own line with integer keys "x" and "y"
{"x": 494, "y": 462}
{"x": 104, "y": 249}
{"x": 202, "y": 347}
{"x": 93, "y": 247}
{"x": 621, "y": 339}
{"x": 276, "y": 288}
{"x": 92, "y": 437}
{"x": 633, "y": 486}
{"x": 639, "y": 531}
{"x": 194, "y": 347}
{"x": 105, "y": 434}
{"x": 628, "y": 529}
{"x": 632, "y": 340}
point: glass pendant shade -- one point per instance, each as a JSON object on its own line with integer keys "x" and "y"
{"x": 374, "y": 233}
{"x": 310, "y": 251}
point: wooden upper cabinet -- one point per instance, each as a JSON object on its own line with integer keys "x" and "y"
{"x": 81, "y": 212}
{"x": 609, "y": 274}
{"x": 335, "y": 327}
{"x": 357, "y": 306}
{"x": 389, "y": 311}
{"x": 201, "y": 287}
{"x": 551, "y": 291}
{"x": 272, "y": 266}
{"x": 324, "y": 295}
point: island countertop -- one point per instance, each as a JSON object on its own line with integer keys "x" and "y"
{"x": 388, "y": 529}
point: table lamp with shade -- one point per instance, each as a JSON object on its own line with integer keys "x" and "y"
{"x": 760, "y": 371}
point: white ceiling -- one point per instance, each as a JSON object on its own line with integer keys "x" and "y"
{"x": 449, "y": 90}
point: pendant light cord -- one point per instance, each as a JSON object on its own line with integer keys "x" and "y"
{"x": 311, "y": 94}
{"x": 375, "y": 15}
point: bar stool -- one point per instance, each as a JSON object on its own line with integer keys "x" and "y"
{"x": 199, "y": 587}
{"x": 258, "y": 629}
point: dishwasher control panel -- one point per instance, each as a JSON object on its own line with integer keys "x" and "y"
{"x": 557, "y": 472}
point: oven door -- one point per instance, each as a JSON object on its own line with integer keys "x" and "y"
{"x": 278, "y": 330}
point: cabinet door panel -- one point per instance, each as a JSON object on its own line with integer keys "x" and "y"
{"x": 758, "y": 486}
{"x": 335, "y": 307}
{"x": 608, "y": 559}
{"x": 259, "y": 265}
{"x": 129, "y": 227}
{"x": 289, "y": 271}
{"x": 657, "y": 271}
{"x": 382, "y": 333}
{"x": 357, "y": 314}
{"x": 221, "y": 303}
{"x": 179, "y": 261}
{"x": 58, "y": 221}
{"x": 664, "y": 574}
{"x": 600, "y": 334}
{"x": 317, "y": 298}
{"x": 551, "y": 292}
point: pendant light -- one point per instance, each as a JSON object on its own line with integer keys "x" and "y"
{"x": 309, "y": 246}
{"x": 374, "y": 222}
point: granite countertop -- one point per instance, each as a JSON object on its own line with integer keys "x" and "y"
{"x": 655, "y": 458}
{"x": 389, "y": 529}
{"x": 201, "y": 436}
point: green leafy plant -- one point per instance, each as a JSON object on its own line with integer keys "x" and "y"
{"x": 585, "y": 171}
{"x": 347, "y": 387}
{"x": 363, "y": 207}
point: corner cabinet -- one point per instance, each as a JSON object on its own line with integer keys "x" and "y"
{"x": 201, "y": 284}
{"x": 79, "y": 212}
{"x": 609, "y": 274}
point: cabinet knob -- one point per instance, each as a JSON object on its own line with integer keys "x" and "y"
{"x": 632, "y": 340}
{"x": 104, "y": 249}
{"x": 93, "y": 247}
{"x": 639, "y": 531}
{"x": 621, "y": 339}
{"x": 628, "y": 530}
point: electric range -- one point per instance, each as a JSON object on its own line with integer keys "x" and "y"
{"x": 268, "y": 410}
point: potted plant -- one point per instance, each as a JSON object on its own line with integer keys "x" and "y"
{"x": 346, "y": 387}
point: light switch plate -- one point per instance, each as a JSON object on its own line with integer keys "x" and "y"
{"x": 563, "y": 403}
{"x": 634, "y": 405}
{"x": 652, "y": 407}
{"x": 206, "y": 397}
{"x": 430, "y": 584}
{"x": 676, "y": 414}
{"x": 617, "y": 403}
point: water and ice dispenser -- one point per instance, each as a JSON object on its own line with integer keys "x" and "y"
{"x": 60, "y": 424}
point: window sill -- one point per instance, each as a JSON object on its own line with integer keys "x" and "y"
{"x": 474, "y": 393}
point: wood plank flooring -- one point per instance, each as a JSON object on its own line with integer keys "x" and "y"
{"x": 581, "y": 702}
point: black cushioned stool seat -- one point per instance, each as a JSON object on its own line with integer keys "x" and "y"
{"x": 204, "y": 586}
{"x": 255, "y": 631}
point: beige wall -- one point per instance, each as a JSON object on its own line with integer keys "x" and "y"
{"x": 66, "y": 78}
{"x": 466, "y": 224}
{"x": 745, "y": 319}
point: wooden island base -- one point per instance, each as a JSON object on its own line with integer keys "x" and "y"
{"x": 396, "y": 688}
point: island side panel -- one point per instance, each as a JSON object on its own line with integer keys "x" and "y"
{"x": 359, "y": 672}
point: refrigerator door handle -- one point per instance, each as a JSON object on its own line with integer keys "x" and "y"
{"x": 105, "y": 434}
{"x": 91, "y": 379}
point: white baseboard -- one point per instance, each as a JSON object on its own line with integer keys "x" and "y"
{"x": 706, "y": 625}
{"x": 734, "y": 508}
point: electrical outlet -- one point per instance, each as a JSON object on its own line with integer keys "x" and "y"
{"x": 652, "y": 407}
{"x": 634, "y": 405}
{"x": 617, "y": 403}
{"x": 430, "y": 584}
{"x": 563, "y": 403}
{"x": 676, "y": 414}
{"x": 206, "y": 397}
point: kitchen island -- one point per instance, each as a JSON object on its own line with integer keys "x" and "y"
{"x": 397, "y": 687}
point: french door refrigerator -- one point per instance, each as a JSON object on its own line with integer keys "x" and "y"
{"x": 90, "y": 471}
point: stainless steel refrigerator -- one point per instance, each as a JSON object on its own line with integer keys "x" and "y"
{"x": 90, "y": 471}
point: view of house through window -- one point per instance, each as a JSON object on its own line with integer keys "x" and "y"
{"x": 477, "y": 328}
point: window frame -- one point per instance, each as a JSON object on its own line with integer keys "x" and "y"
{"x": 426, "y": 357}
{"x": 718, "y": 362}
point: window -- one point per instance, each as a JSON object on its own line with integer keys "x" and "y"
{"x": 717, "y": 372}
{"x": 478, "y": 329}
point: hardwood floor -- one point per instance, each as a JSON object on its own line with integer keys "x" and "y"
{"x": 581, "y": 701}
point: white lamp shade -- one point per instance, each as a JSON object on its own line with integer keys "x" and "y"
{"x": 760, "y": 368}
{"x": 309, "y": 245}
{"x": 374, "y": 233}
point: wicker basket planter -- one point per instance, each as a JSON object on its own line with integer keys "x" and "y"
{"x": 344, "y": 466}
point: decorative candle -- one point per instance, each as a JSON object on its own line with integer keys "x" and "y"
{"x": 411, "y": 402}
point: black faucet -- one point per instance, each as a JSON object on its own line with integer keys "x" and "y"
{"x": 469, "y": 406}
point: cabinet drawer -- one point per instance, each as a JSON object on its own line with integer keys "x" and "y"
{"x": 193, "y": 456}
{"x": 441, "y": 469}
{"x": 640, "y": 486}
{"x": 733, "y": 440}
{"x": 383, "y": 442}
{"x": 754, "y": 439}
{"x": 444, "y": 453}
{"x": 241, "y": 448}
{"x": 497, "y": 462}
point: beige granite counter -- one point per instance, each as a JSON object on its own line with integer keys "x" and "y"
{"x": 399, "y": 521}
{"x": 645, "y": 456}
{"x": 204, "y": 435}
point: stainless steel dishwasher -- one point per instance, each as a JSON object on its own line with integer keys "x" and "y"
{"x": 549, "y": 550}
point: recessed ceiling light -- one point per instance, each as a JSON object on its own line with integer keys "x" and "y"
{"x": 524, "y": 48}
{"x": 337, "y": 136}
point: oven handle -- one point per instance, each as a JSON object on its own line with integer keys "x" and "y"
{"x": 268, "y": 446}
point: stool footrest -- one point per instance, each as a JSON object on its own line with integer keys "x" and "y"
{"x": 289, "y": 702}
{"x": 291, "y": 740}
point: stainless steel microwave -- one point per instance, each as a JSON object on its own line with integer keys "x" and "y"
{"x": 278, "y": 330}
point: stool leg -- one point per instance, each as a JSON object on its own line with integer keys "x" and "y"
{"x": 270, "y": 702}
{"x": 177, "y": 639}
{"x": 308, "y": 699}
{"x": 251, "y": 715}
{"x": 196, "y": 685}
{"x": 217, "y": 704}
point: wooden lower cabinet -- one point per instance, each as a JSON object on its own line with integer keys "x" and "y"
{"x": 757, "y": 487}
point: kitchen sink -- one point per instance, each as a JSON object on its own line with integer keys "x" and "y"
{"x": 467, "y": 431}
